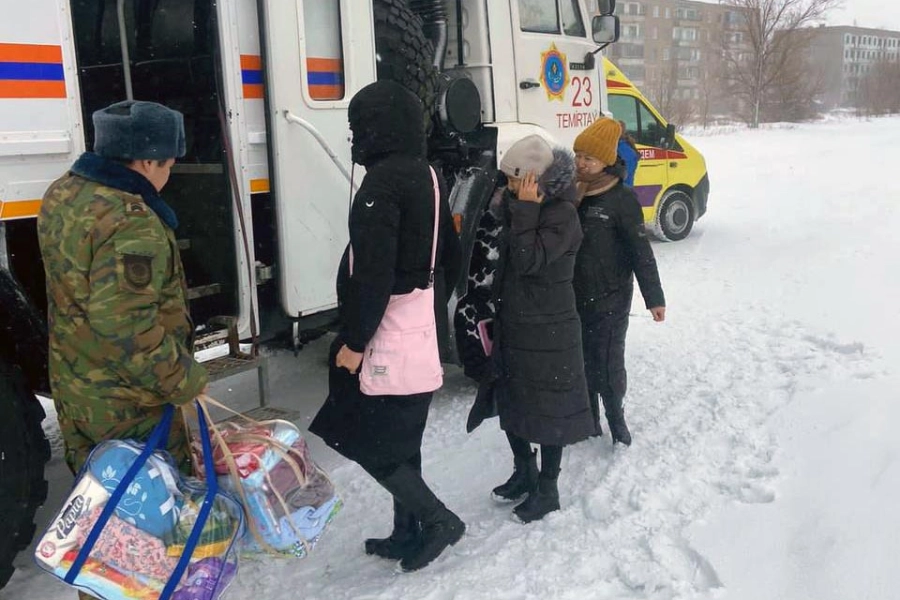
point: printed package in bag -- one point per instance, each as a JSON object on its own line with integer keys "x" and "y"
{"x": 288, "y": 499}
{"x": 133, "y": 527}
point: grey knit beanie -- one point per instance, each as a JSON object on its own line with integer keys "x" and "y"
{"x": 135, "y": 130}
{"x": 531, "y": 153}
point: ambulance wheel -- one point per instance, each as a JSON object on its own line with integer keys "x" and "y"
{"x": 24, "y": 450}
{"x": 403, "y": 53}
{"x": 675, "y": 217}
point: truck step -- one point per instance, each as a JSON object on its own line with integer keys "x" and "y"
{"x": 204, "y": 290}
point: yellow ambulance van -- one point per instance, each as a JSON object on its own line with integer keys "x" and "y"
{"x": 671, "y": 181}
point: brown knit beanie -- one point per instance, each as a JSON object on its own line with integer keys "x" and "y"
{"x": 600, "y": 140}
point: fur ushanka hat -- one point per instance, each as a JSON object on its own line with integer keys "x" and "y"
{"x": 136, "y": 130}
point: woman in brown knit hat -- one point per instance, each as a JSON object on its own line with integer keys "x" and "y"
{"x": 614, "y": 250}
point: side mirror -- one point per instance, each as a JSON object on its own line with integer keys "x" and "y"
{"x": 605, "y": 29}
{"x": 670, "y": 136}
{"x": 606, "y": 7}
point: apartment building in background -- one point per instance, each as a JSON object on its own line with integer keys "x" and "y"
{"x": 845, "y": 56}
{"x": 671, "y": 50}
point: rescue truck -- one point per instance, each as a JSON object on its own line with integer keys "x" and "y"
{"x": 264, "y": 190}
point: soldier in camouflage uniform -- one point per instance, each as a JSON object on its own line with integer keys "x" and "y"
{"x": 120, "y": 331}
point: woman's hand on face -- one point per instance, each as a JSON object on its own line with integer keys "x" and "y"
{"x": 528, "y": 190}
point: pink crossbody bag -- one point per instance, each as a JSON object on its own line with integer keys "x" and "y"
{"x": 402, "y": 358}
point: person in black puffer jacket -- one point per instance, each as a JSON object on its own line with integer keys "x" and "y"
{"x": 615, "y": 249}
{"x": 391, "y": 228}
{"x": 537, "y": 357}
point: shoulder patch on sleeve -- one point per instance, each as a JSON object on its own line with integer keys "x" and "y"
{"x": 134, "y": 207}
{"x": 138, "y": 269}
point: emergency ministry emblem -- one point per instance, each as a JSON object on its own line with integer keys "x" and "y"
{"x": 138, "y": 270}
{"x": 554, "y": 73}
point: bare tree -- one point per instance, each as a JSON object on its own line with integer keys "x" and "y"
{"x": 682, "y": 112}
{"x": 771, "y": 31}
{"x": 710, "y": 82}
{"x": 798, "y": 87}
{"x": 716, "y": 94}
{"x": 878, "y": 89}
{"x": 662, "y": 84}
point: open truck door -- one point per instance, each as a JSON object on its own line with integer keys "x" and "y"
{"x": 317, "y": 54}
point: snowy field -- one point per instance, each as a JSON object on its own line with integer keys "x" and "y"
{"x": 764, "y": 413}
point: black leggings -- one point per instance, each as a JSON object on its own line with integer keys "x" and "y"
{"x": 379, "y": 473}
{"x": 551, "y": 456}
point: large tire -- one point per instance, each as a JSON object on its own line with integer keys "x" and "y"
{"x": 24, "y": 450}
{"x": 403, "y": 53}
{"x": 675, "y": 216}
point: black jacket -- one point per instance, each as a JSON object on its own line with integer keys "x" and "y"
{"x": 391, "y": 226}
{"x": 392, "y": 218}
{"x": 615, "y": 248}
{"x": 544, "y": 396}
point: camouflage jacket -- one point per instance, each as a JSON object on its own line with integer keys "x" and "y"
{"x": 120, "y": 331}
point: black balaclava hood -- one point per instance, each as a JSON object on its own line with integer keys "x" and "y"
{"x": 386, "y": 119}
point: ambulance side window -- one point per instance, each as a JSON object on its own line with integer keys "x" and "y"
{"x": 652, "y": 132}
{"x": 571, "y": 18}
{"x": 539, "y": 16}
{"x": 639, "y": 121}
{"x": 324, "y": 49}
{"x": 624, "y": 108}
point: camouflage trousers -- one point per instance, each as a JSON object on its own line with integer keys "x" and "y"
{"x": 81, "y": 436}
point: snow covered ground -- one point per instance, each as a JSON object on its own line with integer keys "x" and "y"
{"x": 765, "y": 462}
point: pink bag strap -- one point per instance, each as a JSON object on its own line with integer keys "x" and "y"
{"x": 434, "y": 236}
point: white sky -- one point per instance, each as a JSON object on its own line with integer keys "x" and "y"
{"x": 868, "y": 13}
{"x": 883, "y": 14}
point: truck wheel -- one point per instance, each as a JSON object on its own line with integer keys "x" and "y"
{"x": 24, "y": 450}
{"x": 675, "y": 217}
{"x": 403, "y": 53}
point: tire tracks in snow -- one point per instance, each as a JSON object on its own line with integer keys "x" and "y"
{"x": 701, "y": 404}
{"x": 699, "y": 424}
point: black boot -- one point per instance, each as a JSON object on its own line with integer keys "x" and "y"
{"x": 619, "y": 431}
{"x": 539, "y": 504}
{"x": 440, "y": 526}
{"x": 402, "y": 541}
{"x": 595, "y": 411}
{"x": 523, "y": 480}
{"x": 615, "y": 417}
